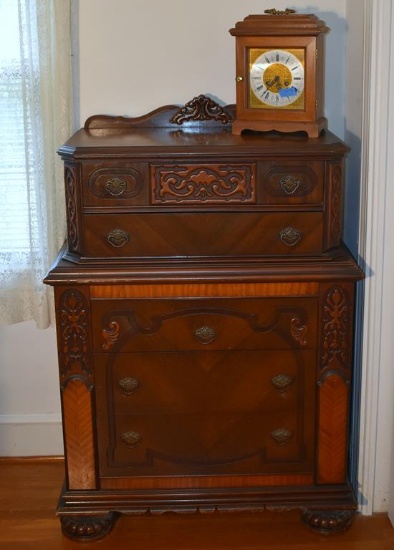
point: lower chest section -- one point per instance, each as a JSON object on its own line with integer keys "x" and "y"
{"x": 206, "y": 386}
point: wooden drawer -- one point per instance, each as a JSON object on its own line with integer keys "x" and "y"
{"x": 199, "y": 184}
{"x": 291, "y": 183}
{"x": 111, "y": 184}
{"x": 202, "y": 234}
{"x": 219, "y": 443}
{"x": 203, "y": 324}
{"x": 191, "y": 382}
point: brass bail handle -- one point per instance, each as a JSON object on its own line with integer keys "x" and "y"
{"x": 273, "y": 11}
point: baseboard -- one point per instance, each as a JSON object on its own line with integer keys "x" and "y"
{"x": 31, "y": 435}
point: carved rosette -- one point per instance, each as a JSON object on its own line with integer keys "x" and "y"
{"x": 201, "y": 108}
{"x": 110, "y": 335}
{"x": 299, "y": 331}
{"x": 70, "y": 181}
{"x": 204, "y": 184}
{"x": 73, "y": 313}
{"x": 336, "y": 330}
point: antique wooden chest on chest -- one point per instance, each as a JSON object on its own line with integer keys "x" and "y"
{"x": 205, "y": 308}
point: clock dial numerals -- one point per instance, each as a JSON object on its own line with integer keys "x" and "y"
{"x": 276, "y": 79}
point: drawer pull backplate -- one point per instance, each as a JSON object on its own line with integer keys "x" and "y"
{"x": 290, "y": 236}
{"x": 118, "y": 238}
{"x": 205, "y": 335}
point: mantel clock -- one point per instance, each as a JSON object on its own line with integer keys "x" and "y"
{"x": 279, "y": 73}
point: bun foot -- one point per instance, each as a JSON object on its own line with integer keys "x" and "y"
{"x": 86, "y": 528}
{"x": 327, "y": 522}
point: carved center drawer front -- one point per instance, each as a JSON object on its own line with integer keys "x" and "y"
{"x": 203, "y": 234}
{"x": 198, "y": 184}
{"x": 217, "y": 324}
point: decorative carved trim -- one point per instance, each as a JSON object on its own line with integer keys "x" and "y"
{"x": 327, "y": 521}
{"x": 70, "y": 181}
{"x": 273, "y": 11}
{"x": 73, "y": 313}
{"x": 204, "y": 184}
{"x": 335, "y": 207}
{"x": 110, "y": 335}
{"x": 299, "y": 331}
{"x": 87, "y": 528}
{"x": 336, "y": 329}
{"x": 201, "y": 108}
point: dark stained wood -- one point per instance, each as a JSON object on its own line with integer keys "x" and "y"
{"x": 204, "y": 314}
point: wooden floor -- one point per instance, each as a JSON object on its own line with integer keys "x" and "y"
{"x": 29, "y": 491}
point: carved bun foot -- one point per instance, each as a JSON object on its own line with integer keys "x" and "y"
{"x": 327, "y": 521}
{"x": 86, "y": 528}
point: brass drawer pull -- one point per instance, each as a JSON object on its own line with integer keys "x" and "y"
{"x": 281, "y": 436}
{"x": 290, "y": 236}
{"x": 289, "y": 185}
{"x": 282, "y": 382}
{"x": 129, "y": 384}
{"x": 115, "y": 186}
{"x": 118, "y": 237}
{"x": 131, "y": 439}
{"x": 205, "y": 335}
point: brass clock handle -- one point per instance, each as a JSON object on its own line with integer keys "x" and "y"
{"x": 239, "y": 78}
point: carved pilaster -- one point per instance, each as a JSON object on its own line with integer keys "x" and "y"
{"x": 334, "y": 204}
{"x": 70, "y": 182}
{"x": 336, "y": 330}
{"x": 73, "y": 334}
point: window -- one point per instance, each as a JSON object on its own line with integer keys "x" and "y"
{"x": 35, "y": 118}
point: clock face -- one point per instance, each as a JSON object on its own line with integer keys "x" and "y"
{"x": 276, "y": 78}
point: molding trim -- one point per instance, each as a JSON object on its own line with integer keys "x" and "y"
{"x": 26, "y": 435}
{"x": 31, "y": 418}
{"x": 374, "y": 182}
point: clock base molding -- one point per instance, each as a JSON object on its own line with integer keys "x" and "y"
{"x": 84, "y": 518}
{"x": 313, "y": 129}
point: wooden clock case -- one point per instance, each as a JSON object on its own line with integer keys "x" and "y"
{"x": 205, "y": 306}
{"x": 281, "y": 32}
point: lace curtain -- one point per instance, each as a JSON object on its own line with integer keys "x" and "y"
{"x": 35, "y": 119}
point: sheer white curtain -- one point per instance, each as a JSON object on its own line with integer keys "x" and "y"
{"x": 35, "y": 119}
